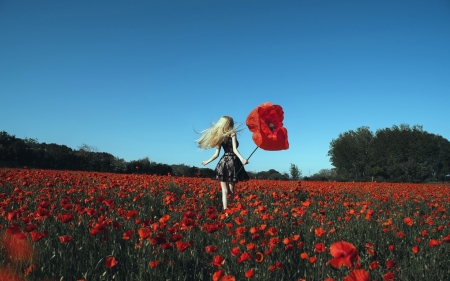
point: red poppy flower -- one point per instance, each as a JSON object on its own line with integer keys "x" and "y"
{"x": 357, "y": 275}
{"x": 320, "y": 247}
{"x": 373, "y": 265}
{"x": 111, "y": 262}
{"x": 228, "y": 278}
{"x": 154, "y": 264}
{"x": 210, "y": 249}
{"x": 13, "y": 229}
{"x": 218, "y": 261}
{"x": 144, "y": 233}
{"x": 182, "y": 246}
{"x": 36, "y": 236}
{"x": 65, "y": 218}
{"x": 266, "y": 123}
{"x": 434, "y": 243}
{"x": 344, "y": 253}
{"x": 218, "y": 274}
{"x": 390, "y": 263}
{"x": 65, "y": 239}
{"x": 235, "y": 251}
{"x": 319, "y": 231}
{"x": 128, "y": 234}
{"x": 30, "y": 227}
{"x": 388, "y": 276}
{"x": 244, "y": 256}
{"x": 415, "y": 249}
{"x": 250, "y": 273}
{"x": 259, "y": 257}
{"x": 251, "y": 246}
{"x": 447, "y": 238}
{"x": 408, "y": 221}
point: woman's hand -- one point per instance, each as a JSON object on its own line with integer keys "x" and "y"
{"x": 204, "y": 163}
{"x": 244, "y": 161}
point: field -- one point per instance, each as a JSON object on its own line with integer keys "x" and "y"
{"x": 66, "y": 225}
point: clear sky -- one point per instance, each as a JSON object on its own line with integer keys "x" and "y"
{"x": 135, "y": 78}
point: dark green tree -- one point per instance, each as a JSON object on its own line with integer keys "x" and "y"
{"x": 295, "y": 172}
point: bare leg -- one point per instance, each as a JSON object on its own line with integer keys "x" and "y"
{"x": 224, "y": 186}
{"x": 231, "y": 191}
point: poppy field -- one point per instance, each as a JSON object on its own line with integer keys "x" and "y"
{"x": 68, "y": 225}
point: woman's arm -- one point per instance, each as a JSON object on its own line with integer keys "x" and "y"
{"x": 235, "y": 150}
{"x": 215, "y": 155}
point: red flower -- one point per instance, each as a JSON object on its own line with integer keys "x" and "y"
{"x": 357, "y": 275}
{"x": 144, "y": 233}
{"x": 408, "y": 221}
{"x": 218, "y": 261}
{"x": 447, "y": 238}
{"x": 65, "y": 218}
{"x": 344, "y": 253}
{"x": 434, "y": 243}
{"x": 320, "y": 247}
{"x": 228, "y": 278}
{"x": 388, "y": 276}
{"x": 390, "y": 263}
{"x": 218, "y": 274}
{"x": 373, "y": 265}
{"x": 182, "y": 246}
{"x": 128, "y": 234}
{"x": 250, "y": 273}
{"x": 244, "y": 256}
{"x": 319, "y": 231}
{"x": 210, "y": 249}
{"x": 266, "y": 123}
{"x": 154, "y": 264}
{"x": 111, "y": 262}
{"x": 259, "y": 257}
{"x": 36, "y": 236}
{"x": 235, "y": 251}
{"x": 65, "y": 239}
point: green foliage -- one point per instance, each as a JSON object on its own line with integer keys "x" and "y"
{"x": 397, "y": 154}
{"x": 295, "y": 172}
{"x": 272, "y": 175}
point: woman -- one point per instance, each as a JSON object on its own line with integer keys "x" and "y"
{"x": 230, "y": 168}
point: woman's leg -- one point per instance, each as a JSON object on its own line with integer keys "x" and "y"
{"x": 231, "y": 191}
{"x": 224, "y": 186}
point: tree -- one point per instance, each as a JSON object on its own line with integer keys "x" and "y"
{"x": 295, "y": 172}
{"x": 400, "y": 153}
{"x": 350, "y": 152}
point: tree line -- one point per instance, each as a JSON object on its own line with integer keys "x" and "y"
{"x": 397, "y": 154}
{"x": 17, "y": 152}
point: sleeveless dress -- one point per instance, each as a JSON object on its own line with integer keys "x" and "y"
{"x": 230, "y": 168}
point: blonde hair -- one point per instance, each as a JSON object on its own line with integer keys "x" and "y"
{"x": 215, "y": 134}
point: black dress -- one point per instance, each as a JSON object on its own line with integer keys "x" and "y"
{"x": 230, "y": 168}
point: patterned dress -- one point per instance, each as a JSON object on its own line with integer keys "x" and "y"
{"x": 230, "y": 168}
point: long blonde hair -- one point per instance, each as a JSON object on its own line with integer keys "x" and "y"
{"x": 215, "y": 134}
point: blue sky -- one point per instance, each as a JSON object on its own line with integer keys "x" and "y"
{"x": 135, "y": 78}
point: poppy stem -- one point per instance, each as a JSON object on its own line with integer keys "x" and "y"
{"x": 252, "y": 152}
{"x": 247, "y": 159}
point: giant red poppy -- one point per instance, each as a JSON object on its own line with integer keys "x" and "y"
{"x": 344, "y": 253}
{"x": 266, "y": 123}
